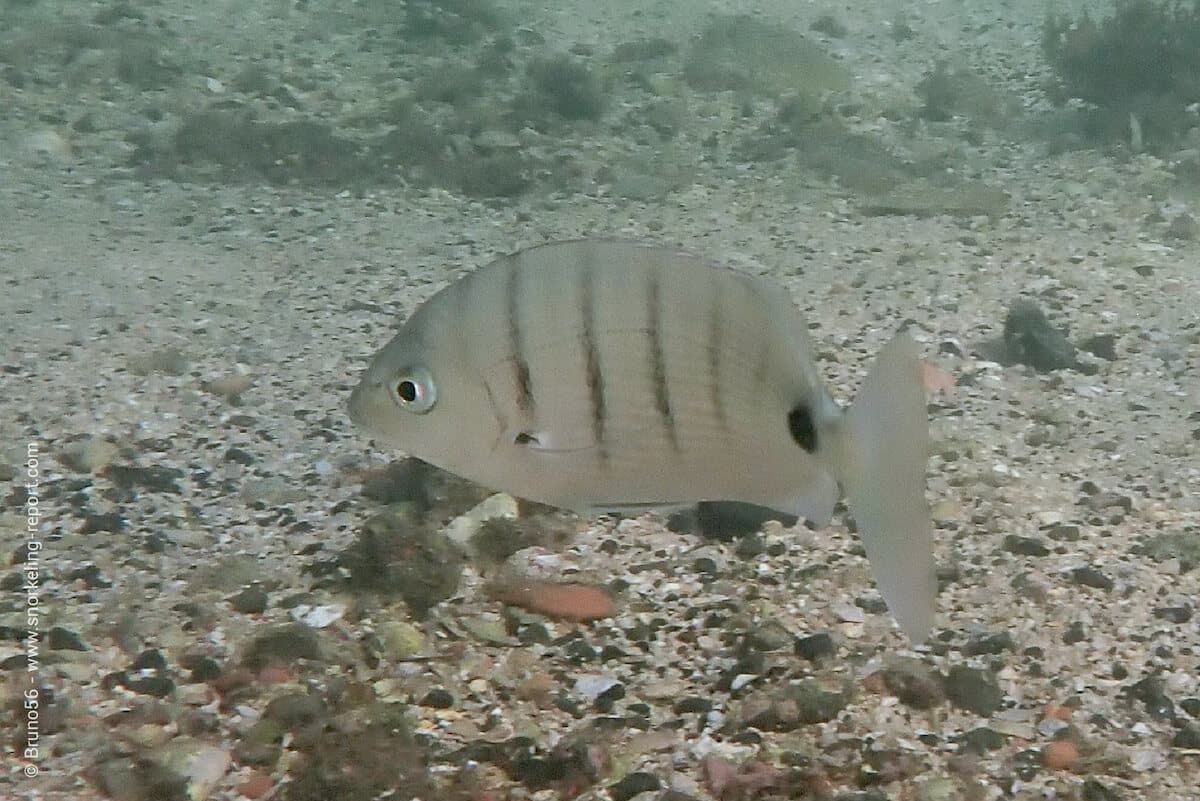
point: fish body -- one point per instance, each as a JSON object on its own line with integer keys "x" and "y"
{"x": 600, "y": 375}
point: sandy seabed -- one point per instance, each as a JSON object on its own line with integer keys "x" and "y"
{"x": 209, "y": 331}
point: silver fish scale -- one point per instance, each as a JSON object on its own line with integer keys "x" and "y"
{"x": 607, "y": 362}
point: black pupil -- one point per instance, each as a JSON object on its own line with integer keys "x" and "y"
{"x": 407, "y": 390}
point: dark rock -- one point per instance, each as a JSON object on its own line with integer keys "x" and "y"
{"x": 393, "y": 555}
{"x": 982, "y": 739}
{"x": 1102, "y": 346}
{"x": 91, "y": 577}
{"x": 727, "y": 521}
{"x": 1030, "y": 339}
{"x": 816, "y": 647}
{"x": 239, "y": 456}
{"x": 989, "y": 644}
{"x": 1065, "y": 534}
{"x": 1093, "y": 790}
{"x": 750, "y": 546}
{"x": 1091, "y": 577}
{"x": 1025, "y": 546}
{"x": 251, "y": 600}
{"x": 1174, "y": 614}
{"x": 438, "y": 698}
{"x": 913, "y": 683}
{"x": 1188, "y": 736}
{"x": 302, "y": 714}
{"x": 404, "y": 481}
{"x": 1152, "y": 692}
{"x": 110, "y": 521}
{"x": 974, "y": 690}
{"x": 285, "y": 642}
{"x": 61, "y": 639}
{"x": 1074, "y": 633}
{"x": 203, "y": 668}
{"x": 150, "y": 659}
{"x": 128, "y": 779}
{"x": 633, "y": 784}
{"x": 694, "y": 704}
{"x": 790, "y": 707}
{"x": 151, "y": 479}
{"x": 157, "y": 686}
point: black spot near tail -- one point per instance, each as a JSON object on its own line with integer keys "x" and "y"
{"x": 802, "y": 428}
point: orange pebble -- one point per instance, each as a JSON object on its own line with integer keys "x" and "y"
{"x": 562, "y": 601}
{"x": 1059, "y": 755}
{"x": 256, "y": 785}
{"x": 1056, "y": 712}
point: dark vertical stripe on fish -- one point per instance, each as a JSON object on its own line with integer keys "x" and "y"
{"x": 657, "y": 360}
{"x": 591, "y": 353}
{"x": 516, "y": 343}
{"x": 716, "y": 332}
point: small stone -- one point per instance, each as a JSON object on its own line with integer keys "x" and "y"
{"x": 989, "y": 644}
{"x": 1188, "y": 736}
{"x": 938, "y": 789}
{"x": 1091, "y": 577}
{"x": 974, "y": 690}
{"x": 168, "y": 360}
{"x": 1059, "y": 755}
{"x": 62, "y": 639}
{"x": 229, "y": 386}
{"x": 769, "y": 635}
{"x": 592, "y": 686}
{"x": 239, "y": 456}
{"x": 632, "y": 785}
{"x": 90, "y": 455}
{"x": 1094, "y": 790}
{"x": 151, "y": 479}
{"x": 693, "y": 704}
{"x": 1025, "y": 546}
{"x": 282, "y": 643}
{"x": 982, "y": 739}
{"x": 1174, "y": 614}
{"x": 1030, "y": 339}
{"x": 1074, "y": 633}
{"x": 401, "y": 640}
{"x": 1183, "y": 227}
{"x": 416, "y": 562}
{"x": 913, "y": 683}
{"x": 95, "y": 523}
{"x": 816, "y": 647}
{"x": 250, "y": 601}
{"x": 1151, "y": 691}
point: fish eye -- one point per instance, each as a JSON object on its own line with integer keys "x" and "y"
{"x": 414, "y": 391}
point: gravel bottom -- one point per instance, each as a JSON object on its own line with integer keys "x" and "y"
{"x": 240, "y": 598}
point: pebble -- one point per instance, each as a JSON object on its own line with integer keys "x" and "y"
{"x": 816, "y": 647}
{"x": 318, "y": 616}
{"x": 401, "y": 640}
{"x": 229, "y": 386}
{"x": 632, "y": 785}
{"x": 1030, "y": 339}
{"x": 592, "y": 686}
{"x": 911, "y": 681}
{"x": 89, "y": 455}
{"x": 1059, "y": 755}
{"x": 1091, "y": 577}
{"x": 974, "y": 690}
{"x": 251, "y": 600}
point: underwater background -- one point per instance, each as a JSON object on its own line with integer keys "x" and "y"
{"x": 213, "y": 587}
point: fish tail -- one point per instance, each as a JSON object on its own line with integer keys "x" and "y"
{"x": 880, "y": 462}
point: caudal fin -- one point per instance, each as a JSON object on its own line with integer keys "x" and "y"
{"x": 881, "y": 465}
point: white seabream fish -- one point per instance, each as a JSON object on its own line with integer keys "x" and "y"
{"x": 600, "y": 375}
